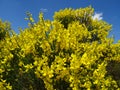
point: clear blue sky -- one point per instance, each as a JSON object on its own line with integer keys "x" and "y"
{"x": 14, "y": 11}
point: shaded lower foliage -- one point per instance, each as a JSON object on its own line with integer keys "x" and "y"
{"x": 113, "y": 69}
{"x": 62, "y": 85}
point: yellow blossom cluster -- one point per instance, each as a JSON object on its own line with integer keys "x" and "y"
{"x": 72, "y": 52}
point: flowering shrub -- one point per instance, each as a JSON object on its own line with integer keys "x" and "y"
{"x": 72, "y": 52}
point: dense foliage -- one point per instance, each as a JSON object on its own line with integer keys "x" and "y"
{"x": 4, "y": 30}
{"x": 72, "y": 52}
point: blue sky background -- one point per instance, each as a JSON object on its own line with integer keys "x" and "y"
{"x": 14, "y": 11}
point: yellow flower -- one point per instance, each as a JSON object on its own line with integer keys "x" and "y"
{"x": 31, "y": 19}
{"x": 1, "y": 70}
{"x": 21, "y": 63}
